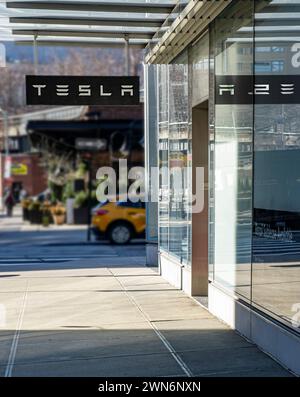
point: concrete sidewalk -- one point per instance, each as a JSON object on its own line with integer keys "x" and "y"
{"x": 16, "y": 222}
{"x": 116, "y": 318}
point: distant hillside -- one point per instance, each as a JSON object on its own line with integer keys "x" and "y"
{"x": 24, "y": 53}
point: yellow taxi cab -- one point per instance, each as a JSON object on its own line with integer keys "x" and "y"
{"x": 119, "y": 221}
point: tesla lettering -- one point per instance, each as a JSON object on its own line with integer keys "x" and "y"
{"x": 39, "y": 88}
{"x": 127, "y": 89}
{"x": 226, "y": 88}
{"x": 102, "y": 93}
{"x": 287, "y": 89}
{"x": 261, "y": 89}
{"x": 62, "y": 89}
{"x": 84, "y": 90}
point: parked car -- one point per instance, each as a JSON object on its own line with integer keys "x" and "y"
{"x": 119, "y": 221}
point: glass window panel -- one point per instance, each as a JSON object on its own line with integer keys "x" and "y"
{"x": 231, "y": 225}
{"x": 199, "y": 60}
{"x": 276, "y": 236}
{"x": 174, "y": 158}
{"x": 211, "y": 175}
{"x": 163, "y": 146}
{"x": 178, "y": 160}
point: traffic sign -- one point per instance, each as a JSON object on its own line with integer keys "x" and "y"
{"x": 90, "y": 144}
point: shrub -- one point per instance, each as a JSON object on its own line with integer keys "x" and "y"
{"x": 68, "y": 191}
{"x": 26, "y": 203}
{"x": 81, "y": 199}
{"x": 35, "y": 206}
{"x": 58, "y": 210}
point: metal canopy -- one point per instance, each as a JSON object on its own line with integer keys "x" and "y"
{"x": 92, "y": 22}
{"x": 98, "y": 6}
{"x": 82, "y": 33}
{"x": 80, "y": 43}
{"x": 155, "y": 23}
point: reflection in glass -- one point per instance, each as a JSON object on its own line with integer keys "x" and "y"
{"x": 276, "y": 223}
{"x": 174, "y": 149}
{"x": 163, "y": 143}
{"x": 178, "y": 151}
{"x": 232, "y": 152}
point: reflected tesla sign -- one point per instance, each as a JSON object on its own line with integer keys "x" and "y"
{"x": 258, "y": 89}
{"x": 82, "y": 90}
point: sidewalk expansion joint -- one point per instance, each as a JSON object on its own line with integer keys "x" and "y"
{"x": 15, "y": 341}
{"x": 184, "y": 367}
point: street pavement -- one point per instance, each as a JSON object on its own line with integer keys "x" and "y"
{"x": 73, "y": 308}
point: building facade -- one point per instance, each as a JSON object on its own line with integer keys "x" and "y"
{"x": 223, "y": 93}
{"x": 24, "y": 171}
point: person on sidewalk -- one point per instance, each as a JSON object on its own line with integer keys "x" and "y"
{"x": 9, "y": 202}
{"x": 23, "y": 194}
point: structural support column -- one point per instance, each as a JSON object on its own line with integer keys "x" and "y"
{"x": 35, "y": 54}
{"x": 151, "y": 163}
{"x": 126, "y": 53}
{"x": 4, "y": 159}
{"x": 199, "y": 285}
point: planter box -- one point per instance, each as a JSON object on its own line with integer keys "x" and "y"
{"x": 70, "y": 211}
{"x": 81, "y": 216}
{"x": 59, "y": 219}
{"x": 35, "y": 216}
{"x": 25, "y": 213}
{"x": 50, "y": 217}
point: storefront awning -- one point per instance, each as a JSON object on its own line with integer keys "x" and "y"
{"x": 60, "y": 136}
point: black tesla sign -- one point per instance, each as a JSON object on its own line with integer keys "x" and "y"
{"x": 82, "y": 90}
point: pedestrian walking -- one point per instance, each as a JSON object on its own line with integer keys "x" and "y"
{"x": 9, "y": 202}
{"x": 23, "y": 194}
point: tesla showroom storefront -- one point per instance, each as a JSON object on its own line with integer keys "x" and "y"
{"x": 223, "y": 109}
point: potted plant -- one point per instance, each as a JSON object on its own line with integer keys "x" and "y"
{"x": 25, "y": 208}
{"x": 81, "y": 208}
{"x": 58, "y": 212}
{"x": 46, "y": 213}
{"x": 34, "y": 212}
